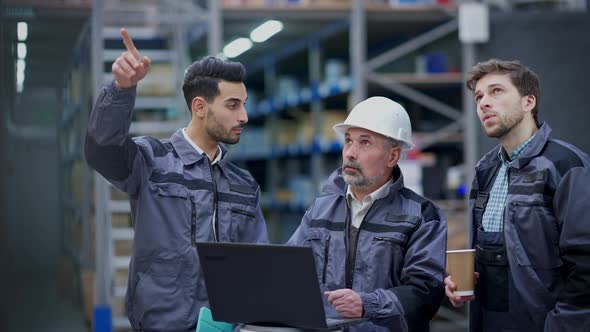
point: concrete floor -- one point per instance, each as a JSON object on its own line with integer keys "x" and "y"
{"x": 33, "y": 301}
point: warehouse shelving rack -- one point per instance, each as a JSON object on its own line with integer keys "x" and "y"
{"x": 350, "y": 24}
{"x": 369, "y": 74}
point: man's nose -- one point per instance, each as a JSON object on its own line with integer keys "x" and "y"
{"x": 484, "y": 102}
{"x": 351, "y": 152}
{"x": 243, "y": 115}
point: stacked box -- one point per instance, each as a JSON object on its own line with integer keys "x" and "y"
{"x": 327, "y": 135}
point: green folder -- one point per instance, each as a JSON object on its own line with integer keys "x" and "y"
{"x": 207, "y": 324}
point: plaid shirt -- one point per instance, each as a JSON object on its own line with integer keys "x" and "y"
{"x": 493, "y": 216}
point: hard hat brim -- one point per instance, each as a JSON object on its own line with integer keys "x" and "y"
{"x": 341, "y": 129}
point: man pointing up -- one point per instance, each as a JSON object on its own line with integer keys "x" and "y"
{"x": 182, "y": 190}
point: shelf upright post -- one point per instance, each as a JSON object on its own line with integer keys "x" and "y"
{"x": 214, "y": 38}
{"x": 181, "y": 63}
{"x": 473, "y": 28}
{"x": 470, "y": 120}
{"x": 358, "y": 50}
{"x": 272, "y": 174}
{"x": 61, "y": 156}
{"x": 317, "y": 119}
{"x": 86, "y": 172}
{"x": 102, "y": 312}
{"x": 473, "y": 24}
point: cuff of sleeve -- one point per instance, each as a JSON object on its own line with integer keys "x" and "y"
{"x": 370, "y": 304}
{"x": 120, "y": 95}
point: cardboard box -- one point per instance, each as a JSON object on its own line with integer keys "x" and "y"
{"x": 121, "y": 220}
{"x": 121, "y": 277}
{"x": 123, "y": 247}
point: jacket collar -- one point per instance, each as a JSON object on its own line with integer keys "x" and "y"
{"x": 534, "y": 148}
{"x": 187, "y": 153}
{"x": 335, "y": 184}
{"x": 531, "y": 151}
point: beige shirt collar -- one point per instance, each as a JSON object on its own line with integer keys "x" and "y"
{"x": 358, "y": 208}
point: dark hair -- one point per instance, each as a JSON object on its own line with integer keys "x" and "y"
{"x": 525, "y": 80}
{"x": 201, "y": 79}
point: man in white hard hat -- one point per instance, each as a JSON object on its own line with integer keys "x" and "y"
{"x": 379, "y": 247}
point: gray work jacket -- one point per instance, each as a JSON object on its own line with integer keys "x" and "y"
{"x": 173, "y": 191}
{"x": 546, "y": 230}
{"x": 399, "y": 264}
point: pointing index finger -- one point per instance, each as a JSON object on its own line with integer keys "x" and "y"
{"x": 129, "y": 43}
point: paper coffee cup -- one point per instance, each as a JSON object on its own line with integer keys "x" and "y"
{"x": 460, "y": 265}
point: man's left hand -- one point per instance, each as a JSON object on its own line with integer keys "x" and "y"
{"x": 346, "y": 301}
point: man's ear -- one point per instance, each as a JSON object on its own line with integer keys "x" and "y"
{"x": 199, "y": 107}
{"x": 393, "y": 156}
{"x": 529, "y": 102}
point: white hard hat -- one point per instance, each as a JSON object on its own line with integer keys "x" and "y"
{"x": 383, "y": 116}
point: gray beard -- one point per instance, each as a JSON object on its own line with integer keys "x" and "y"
{"x": 359, "y": 181}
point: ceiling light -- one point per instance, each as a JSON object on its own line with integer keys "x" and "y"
{"x": 22, "y": 31}
{"x": 20, "y": 65}
{"x": 266, "y": 30}
{"x": 20, "y": 77}
{"x": 21, "y": 50}
{"x": 237, "y": 47}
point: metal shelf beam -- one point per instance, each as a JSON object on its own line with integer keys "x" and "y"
{"x": 411, "y": 45}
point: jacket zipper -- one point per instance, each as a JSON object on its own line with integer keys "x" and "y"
{"x": 353, "y": 263}
{"x": 193, "y": 221}
{"x": 350, "y": 266}
{"x": 215, "y": 198}
{"x": 347, "y": 226}
{"x": 326, "y": 253}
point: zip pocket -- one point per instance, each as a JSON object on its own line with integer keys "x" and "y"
{"x": 243, "y": 212}
{"x": 326, "y": 253}
{"x": 390, "y": 240}
{"x": 534, "y": 203}
{"x": 170, "y": 191}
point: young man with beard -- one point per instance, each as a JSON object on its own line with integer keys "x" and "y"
{"x": 379, "y": 247}
{"x": 529, "y": 213}
{"x": 182, "y": 190}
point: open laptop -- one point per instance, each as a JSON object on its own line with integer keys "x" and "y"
{"x": 267, "y": 285}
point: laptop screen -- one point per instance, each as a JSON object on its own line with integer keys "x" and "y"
{"x": 262, "y": 284}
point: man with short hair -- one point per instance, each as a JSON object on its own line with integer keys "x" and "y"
{"x": 529, "y": 213}
{"x": 182, "y": 190}
{"x": 379, "y": 246}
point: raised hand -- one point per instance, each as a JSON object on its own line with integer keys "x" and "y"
{"x": 129, "y": 68}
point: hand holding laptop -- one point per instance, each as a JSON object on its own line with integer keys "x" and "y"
{"x": 346, "y": 302}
